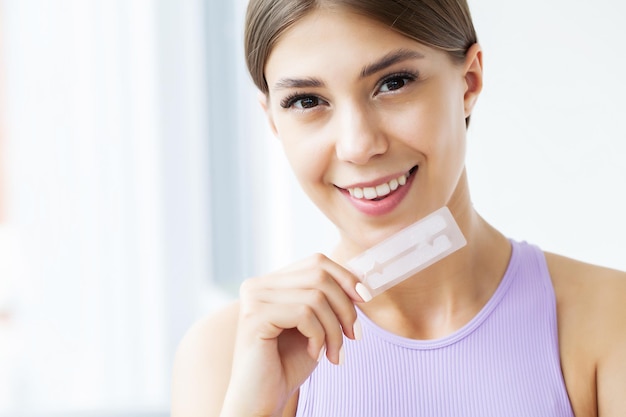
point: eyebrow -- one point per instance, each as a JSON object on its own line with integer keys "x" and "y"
{"x": 298, "y": 83}
{"x": 386, "y": 61}
{"x": 389, "y": 60}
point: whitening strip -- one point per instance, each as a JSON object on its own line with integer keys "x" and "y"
{"x": 408, "y": 251}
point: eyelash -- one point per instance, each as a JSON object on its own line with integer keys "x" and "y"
{"x": 291, "y": 99}
{"x": 407, "y": 76}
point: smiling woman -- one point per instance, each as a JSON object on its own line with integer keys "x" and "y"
{"x": 370, "y": 101}
{"x": 388, "y": 86}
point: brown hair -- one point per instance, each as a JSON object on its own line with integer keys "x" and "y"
{"x": 443, "y": 24}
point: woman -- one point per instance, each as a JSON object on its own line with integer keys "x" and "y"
{"x": 371, "y": 101}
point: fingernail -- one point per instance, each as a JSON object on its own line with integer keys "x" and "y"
{"x": 342, "y": 356}
{"x": 363, "y": 292}
{"x": 357, "y": 330}
{"x": 322, "y": 353}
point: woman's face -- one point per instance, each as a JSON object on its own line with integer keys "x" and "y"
{"x": 372, "y": 122}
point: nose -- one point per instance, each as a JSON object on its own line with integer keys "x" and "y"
{"x": 360, "y": 138}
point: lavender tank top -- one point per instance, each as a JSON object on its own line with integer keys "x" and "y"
{"x": 504, "y": 362}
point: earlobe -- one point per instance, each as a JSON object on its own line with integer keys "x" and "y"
{"x": 473, "y": 77}
{"x": 265, "y": 105}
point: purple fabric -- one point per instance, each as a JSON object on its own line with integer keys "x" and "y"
{"x": 504, "y": 362}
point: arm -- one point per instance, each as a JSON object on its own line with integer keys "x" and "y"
{"x": 591, "y": 306}
{"x": 611, "y": 370}
{"x": 202, "y": 365}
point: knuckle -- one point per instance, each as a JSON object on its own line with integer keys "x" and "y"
{"x": 247, "y": 287}
{"x": 306, "y": 312}
{"x": 317, "y": 297}
{"x": 249, "y": 311}
{"x": 246, "y": 313}
{"x": 319, "y": 277}
{"x": 244, "y": 288}
{"x": 317, "y": 258}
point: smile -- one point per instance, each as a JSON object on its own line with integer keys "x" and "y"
{"x": 381, "y": 190}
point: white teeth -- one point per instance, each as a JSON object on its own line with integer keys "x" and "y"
{"x": 369, "y": 193}
{"x": 380, "y": 190}
{"x": 383, "y": 189}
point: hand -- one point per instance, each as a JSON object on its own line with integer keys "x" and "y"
{"x": 288, "y": 320}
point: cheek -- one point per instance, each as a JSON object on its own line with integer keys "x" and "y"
{"x": 423, "y": 126}
{"x": 431, "y": 125}
{"x": 307, "y": 166}
{"x": 306, "y": 152}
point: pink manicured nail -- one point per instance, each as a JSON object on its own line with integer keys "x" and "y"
{"x": 322, "y": 353}
{"x": 342, "y": 356}
{"x": 357, "y": 330}
{"x": 363, "y": 292}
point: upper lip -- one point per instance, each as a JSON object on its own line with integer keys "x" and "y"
{"x": 373, "y": 183}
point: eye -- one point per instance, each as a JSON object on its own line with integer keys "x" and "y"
{"x": 306, "y": 102}
{"x": 300, "y": 102}
{"x": 395, "y": 82}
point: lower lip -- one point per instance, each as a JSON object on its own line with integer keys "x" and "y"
{"x": 383, "y": 206}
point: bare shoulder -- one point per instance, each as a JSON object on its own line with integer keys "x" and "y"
{"x": 590, "y": 298}
{"x": 202, "y": 364}
{"x": 589, "y": 289}
{"x": 591, "y": 306}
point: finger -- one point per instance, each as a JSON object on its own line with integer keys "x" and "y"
{"x": 319, "y": 279}
{"x": 263, "y": 309}
{"x": 308, "y": 305}
{"x": 346, "y": 279}
{"x": 267, "y": 321}
{"x": 350, "y": 283}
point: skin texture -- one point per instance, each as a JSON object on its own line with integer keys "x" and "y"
{"x": 344, "y": 121}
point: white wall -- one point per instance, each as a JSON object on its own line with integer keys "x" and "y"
{"x": 547, "y": 142}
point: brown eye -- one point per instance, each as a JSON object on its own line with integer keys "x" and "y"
{"x": 396, "y": 81}
{"x": 392, "y": 84}
{"x": 301, "y": 102}
{"x": 306, "y": 102}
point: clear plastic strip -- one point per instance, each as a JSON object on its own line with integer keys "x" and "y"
{"x": 407, "y": 252}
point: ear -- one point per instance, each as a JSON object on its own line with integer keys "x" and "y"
{"x": 473, "y": 77}
{"x": 264, "y": 102}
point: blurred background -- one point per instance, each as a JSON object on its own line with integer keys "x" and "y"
{"x": 139, "y": 183}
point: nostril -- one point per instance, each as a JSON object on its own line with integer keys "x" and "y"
{"x": 360, "y": 150}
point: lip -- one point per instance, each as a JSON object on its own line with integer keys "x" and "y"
{"x": 385, "y": 205}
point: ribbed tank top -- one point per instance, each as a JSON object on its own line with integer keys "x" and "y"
{"x": 504, "y": 362}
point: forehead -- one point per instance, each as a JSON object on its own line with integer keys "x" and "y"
{"x": 326, "y": 40}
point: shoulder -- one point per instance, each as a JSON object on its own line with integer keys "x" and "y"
{"x": 591, "y": 307}
{"x": 589, "y": 290}
{"x": 592, "y": 297}
{"x": 202, "y": 364}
